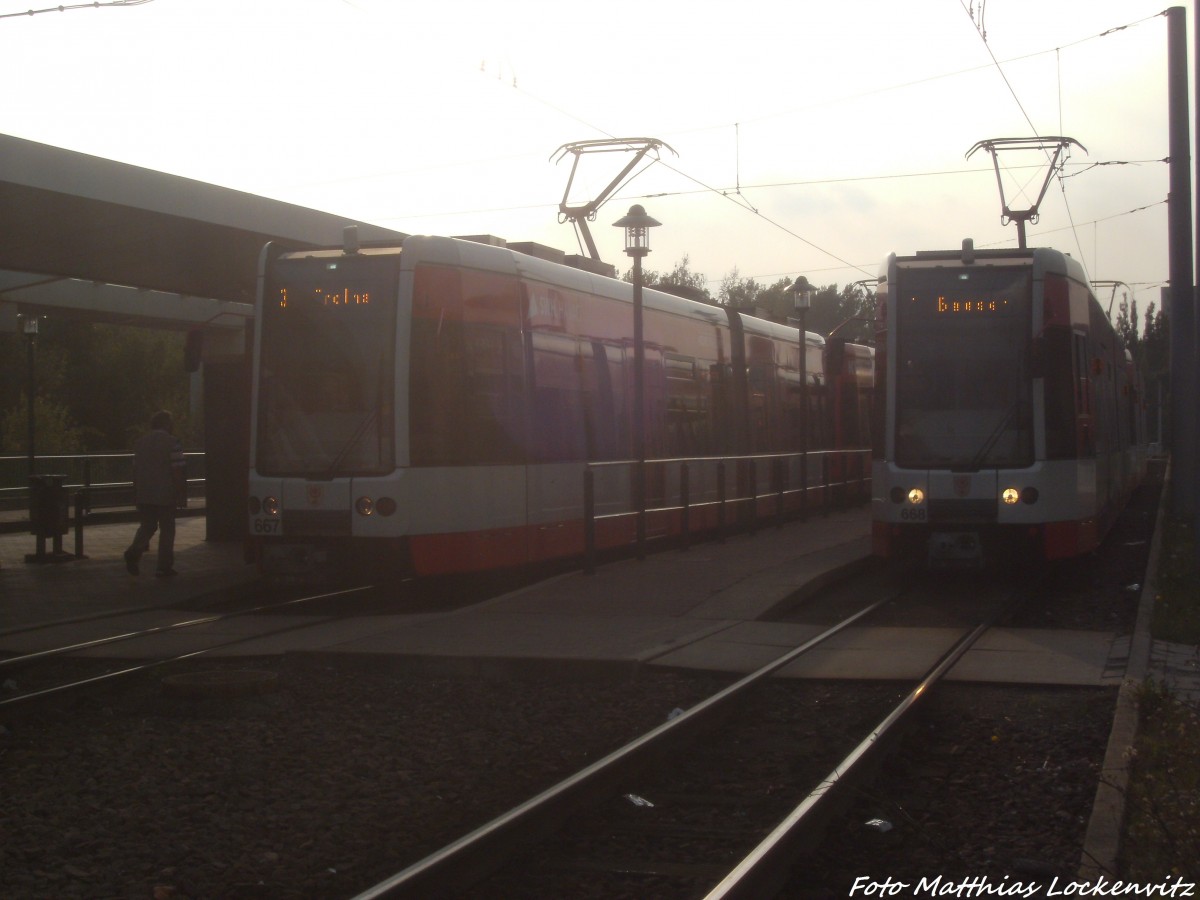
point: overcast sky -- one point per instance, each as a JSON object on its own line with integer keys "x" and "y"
{"x": 810, "y": 137}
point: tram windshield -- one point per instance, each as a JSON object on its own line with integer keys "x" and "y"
{"x": 963, "y": 386}
{"x": 327, "y": 367}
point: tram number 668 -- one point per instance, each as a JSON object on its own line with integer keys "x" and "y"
{"x": 913, "y": 515}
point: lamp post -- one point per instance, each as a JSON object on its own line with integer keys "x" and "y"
{"x": 801, "y": 293}
{"x": 637, "y": 227}
{"x": 29, "y": 325}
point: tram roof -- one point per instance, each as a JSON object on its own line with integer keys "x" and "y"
{"x": 1047, "y": 258}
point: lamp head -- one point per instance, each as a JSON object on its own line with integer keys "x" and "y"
{"x": 802, "y": 293}
{"x": 637, "y": 227}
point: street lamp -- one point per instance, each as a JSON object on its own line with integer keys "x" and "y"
{"x": 29, "y": 325}
{"x": 801, "y": 293}
{"x": 637, "y": 227}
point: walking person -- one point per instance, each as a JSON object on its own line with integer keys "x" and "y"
{"x": 159, "y": 486}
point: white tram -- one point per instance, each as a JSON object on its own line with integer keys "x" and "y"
{"x": 1012, "y": 419}
{"x": 435, "y": 404}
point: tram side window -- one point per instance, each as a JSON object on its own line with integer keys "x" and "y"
{"x": 495, "y": 420}
{"x": 858, "y": 394}
{"x": 865, "y": 398}
{"x": 1060, "y": 396}
{"x": 791, "y": 422}
{"x": 762, "y": 405}
{"x": 849, "y": 415}
{"x": 1127, "y": 402}
{"x": 1120, "y": 402}
{"x": 1106, "y": 427}
{"x": 602, "y": 368}
{"x": 721, "y": 417}
{"x": 465, "y": 392}
{"x": 819, "y": 424}
{"x": 878, "y": 404}
{"x": 560, "y": 402}
{"x": 811, "y": 427}
{"x": 687, "y": 407}
{"x": 1083, "y": 398}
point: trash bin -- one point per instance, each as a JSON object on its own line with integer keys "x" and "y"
{"x": 48, "y": 505}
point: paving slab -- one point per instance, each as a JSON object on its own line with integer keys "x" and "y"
{"x": 698, "y": 609}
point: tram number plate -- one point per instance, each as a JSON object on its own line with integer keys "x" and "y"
{"x": 913, "y": 515}
{"x": 265, "y": 526}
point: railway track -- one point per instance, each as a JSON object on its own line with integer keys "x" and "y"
{"x": 361, "y": 766}
{"x": 212, "y": 609}
{"x": 383, "y": 741}
{"x": 25, "y": 661}
{"x": 681, "y": 845}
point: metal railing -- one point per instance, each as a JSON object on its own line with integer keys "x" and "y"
{"x": 797, "y": 483}
{"x": 105, "y": 478}
{"x": 66, "y": 481}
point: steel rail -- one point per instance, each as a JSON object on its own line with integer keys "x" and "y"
{"x": 160, "y": 629}
{"x": 482, "y": 851}
{"x": 154, "y": 664}
{"x": 100, "y": 615}
{"x": 765, "y": 870}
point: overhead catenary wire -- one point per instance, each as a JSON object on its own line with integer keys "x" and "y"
{"x": 738, "y": 193}
{"x": 744, "y": 120}
{"x": 73, "y": 6}
{"x": 784, "y": 112}
{"x": 903, "y": 85}
{"x": 1096, "y": 221}
{"x": 861, "y": 267}
{"x": 1028, "y": 120}
{"x": 737, "y": 198}
{"x": 771, "y": 185}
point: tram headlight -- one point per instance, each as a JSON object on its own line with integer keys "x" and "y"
{"x": 914, "y": 496}
{"x": 385, "y": 506}
{"x": 1030, "y": 495}
{"x": 270, "y": 506}
{"x": 255, "y": 506}
{"x": 364, "y": 506}
{"x": 1010, "y": 496}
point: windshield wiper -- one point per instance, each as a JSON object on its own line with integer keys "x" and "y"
{"x": 374, "y": 416}
{"x": 331, "y": 469}
{"x": 980, "y": 455}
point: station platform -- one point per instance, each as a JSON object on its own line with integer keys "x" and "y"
{"x": 35, "y": 593}
{"x": 707, "y": 608}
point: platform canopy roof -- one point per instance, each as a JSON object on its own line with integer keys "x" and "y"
{"x": 79, "y": 218}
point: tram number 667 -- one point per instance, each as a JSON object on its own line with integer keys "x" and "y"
{"x": 913, "y": 515}
{"x": 266, "y": 526}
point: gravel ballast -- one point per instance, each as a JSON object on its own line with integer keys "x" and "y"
{"x": 319, "y": 789}
{"x": 342, "y": 776}
{"x": 337, "y": 775}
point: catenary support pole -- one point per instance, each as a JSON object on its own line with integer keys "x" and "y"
{"x": 1179, "y": 244}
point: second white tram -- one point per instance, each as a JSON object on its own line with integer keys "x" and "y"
{"x": 1011, "y": 412}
